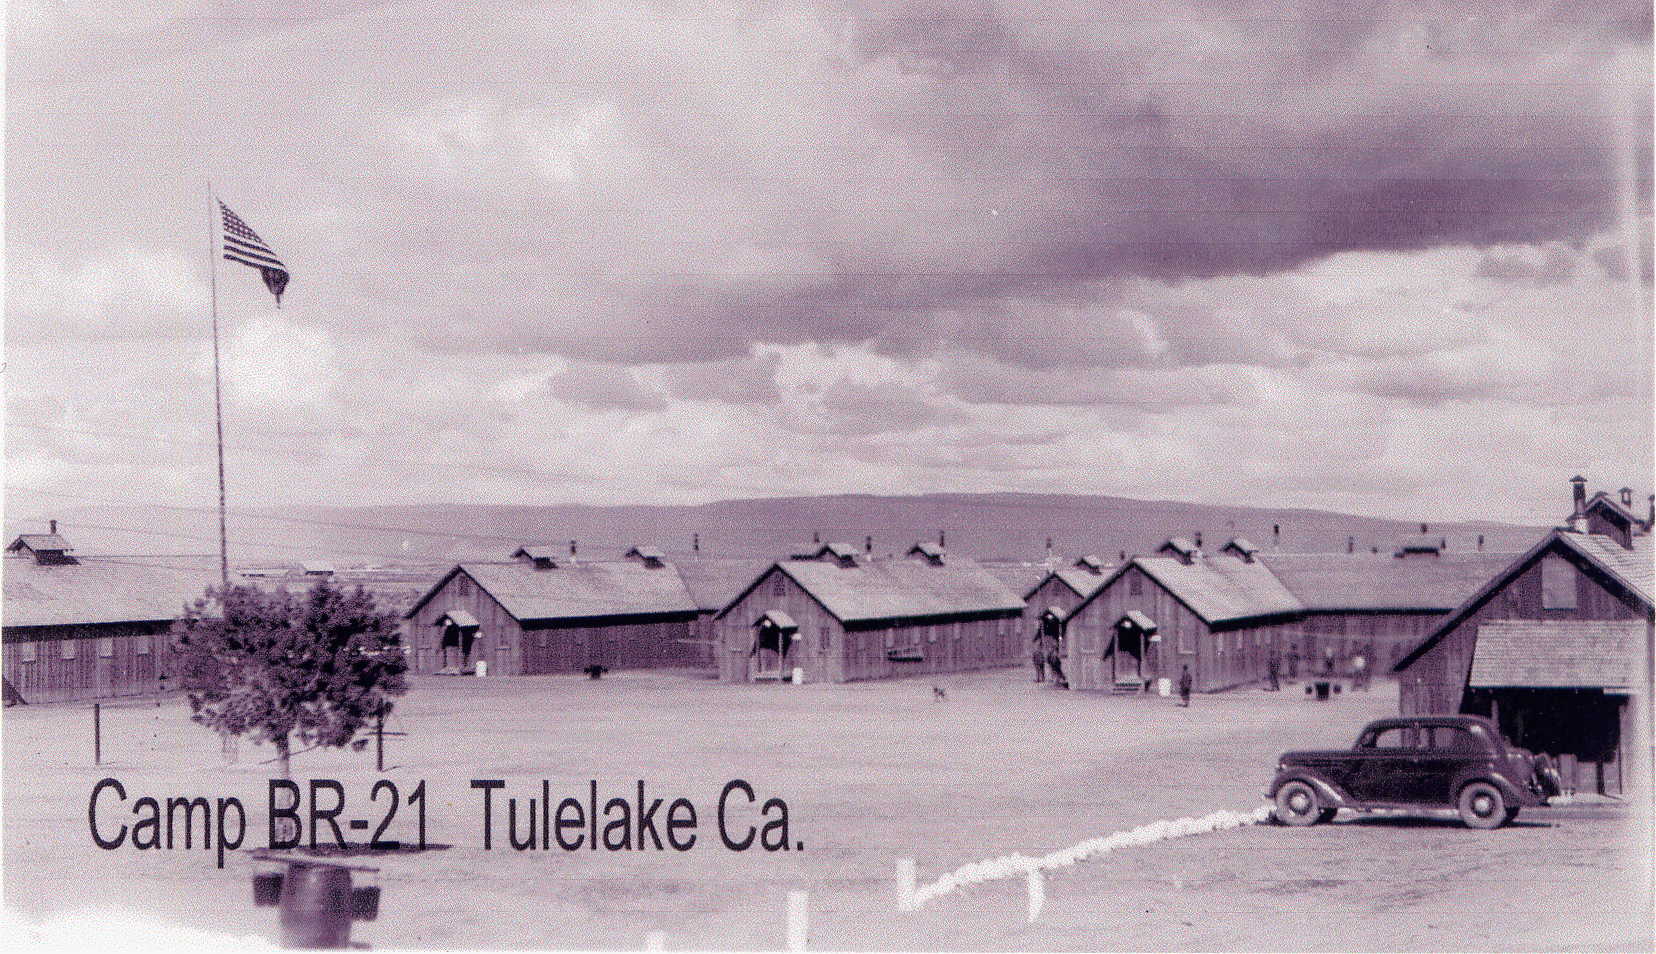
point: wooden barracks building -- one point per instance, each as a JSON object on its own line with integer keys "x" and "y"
{"x": 89, "y": 627}
{"x": 840, "y": 615}
{"x": 547, "y": 612}
{"x": 1556, "y": 647}
{"x": 1221, "y": 614}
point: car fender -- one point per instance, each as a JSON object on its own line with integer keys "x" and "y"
{"x": 1514, "y": 795}
{"x": 1332, "y": 795}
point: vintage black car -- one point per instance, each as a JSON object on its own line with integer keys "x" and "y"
{"x": 1424, "y": 762}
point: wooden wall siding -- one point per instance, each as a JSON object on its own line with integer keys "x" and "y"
{"x": 828, "y": 652}
{"x": 1393, "y": 634}
{"x": 1436, "y": 682}
{"x": 1219, "y": 658}
{"x": 89, "y": 675}
{"x": 510, "y": 649}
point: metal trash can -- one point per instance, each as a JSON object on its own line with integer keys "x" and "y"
{"x": 315, "y": 899}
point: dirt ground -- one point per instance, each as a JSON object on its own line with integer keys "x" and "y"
{"x": 870, "y": 773}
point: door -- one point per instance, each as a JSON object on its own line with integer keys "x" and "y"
{"x": 1385, "y": 767}
{"x": 1127, "y": 659}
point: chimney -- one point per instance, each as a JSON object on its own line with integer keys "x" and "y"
{"x": 1480, "y": 543}
{"x": 816, "y": 537}
{"x": 53, "y": 525}
{"x": 1276, "y": 535}
{"x": 1424, "y": 529}
{"x": 1578, "y": 494}
{"x": 1197, "y": 539}
{"x": 1374, "y": 549}
{"x": 1049, "y": 548}
{"x": 1443, "y": 543}
{"x": 868, "y": 544}
{"x": 1124, "y": 556}
{"x": 572, "y": 548}
{"x": 1651, "y": 520}
{"x": 695, "y": 543}
{"x": 942, "y": 539}
{"x": 1627, "y": 497}
{"x": 1351, "y": 544}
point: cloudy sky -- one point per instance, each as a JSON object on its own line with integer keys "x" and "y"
{"x": 1273, "y": 253}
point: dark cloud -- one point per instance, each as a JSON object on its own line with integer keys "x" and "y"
{"x": 1536, "y": 267}
{"x": 736, "y": 381}
{"x": 604, "y": 387}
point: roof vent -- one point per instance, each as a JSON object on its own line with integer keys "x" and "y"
{"x": 1091, "y": 564}
{"x": 930, "y": 552}
{"x": 1181, "y": 549}
{"x": 541, "y": 557}
{"x": 651, "y": 557}
{"x": 1241, "y": 547}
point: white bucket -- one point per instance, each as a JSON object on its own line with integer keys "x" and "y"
{"x": 482, "y": 669}
{"x": 1164, "y": 686}
{"x": 799, "y": 676}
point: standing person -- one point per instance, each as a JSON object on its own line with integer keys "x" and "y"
{"x": 1038, "y": 658}
{"x": 1273, "y": 668}
{"x": 1293, "y": 661}
{"x": 1057, "y": 666}
{"x": 1359, "y": 670}
{"x": 1184, "y": 687}
{"x": 1328, "y": 661}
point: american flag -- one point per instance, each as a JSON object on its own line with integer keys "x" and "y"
{"x": 242, "y": 244}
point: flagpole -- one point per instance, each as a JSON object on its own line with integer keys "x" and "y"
{"x": 218, "y": 396}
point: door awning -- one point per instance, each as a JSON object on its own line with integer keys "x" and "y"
{"x": 1557, "y": 654}
{"x": 458, "y": 617}
{"x": 1133, "y": 619}
{"x": 777, "y": 620}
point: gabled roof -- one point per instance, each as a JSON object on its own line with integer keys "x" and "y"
{"x": 575, "y": 591}
{"x": 1557, "y": 653}
{"x": 714, "y": 581}
{"x": 38, "y": 541}
{"x": 779, "y": 619}
{"x": 1083, "y": 583}
{"x": 930, "y": 551}
{"x": 1143, "y": 623}
{"x": 1612, "y": 502}
{"x": 1362, "y": 581}
{"x": 1219, "y": 589}
{"x": 646, "y": 553}
{"x": 1091, "y": 563}
{"x": 99, "y": 590}
{"x": 460, "y": 617}
{"x": 897, "y": 589}
{"x": 1020, "y": 578}
{"x": 1632, "y": 569}
{"x": 1240, "y": 546}
{"x": 1179, "y": 546}
{"x": 839, "y": 551}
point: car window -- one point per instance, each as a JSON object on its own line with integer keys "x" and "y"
{"x": 1396, "y": 737}
{"x": 1453, "y": 738}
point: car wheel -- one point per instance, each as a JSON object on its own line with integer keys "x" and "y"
{"x": 1296, "y": 805}
{"x": 1482, "y": 805}
{"x": 1511, "y": 813}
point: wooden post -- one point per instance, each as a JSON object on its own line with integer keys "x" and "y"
{"x": 97, "y": 734}
{"x": 379, "y": 743}
{"x": 797, "y": 920}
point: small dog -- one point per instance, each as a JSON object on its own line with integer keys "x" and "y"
{"x": 939, "y": 694}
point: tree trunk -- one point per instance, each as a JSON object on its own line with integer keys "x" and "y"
{"x": 286, "y": 828}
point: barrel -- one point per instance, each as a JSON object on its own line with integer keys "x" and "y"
{"x": 316, "y": 906}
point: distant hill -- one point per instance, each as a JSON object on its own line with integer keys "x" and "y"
{"x": 995, "y": 526}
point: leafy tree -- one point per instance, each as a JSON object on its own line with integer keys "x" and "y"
{"x": 281, "y": 667}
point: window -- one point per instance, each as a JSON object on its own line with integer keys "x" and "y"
{"x": 68, "y": 648}
{"x": 1396, "y": 737}
{"x": 891, "y": 638}
{"x": 27, "y": 652}
{"x": 779, "y": 585}
{"x": 540, "y": 639}
{"x": 825, "y": 639}
{"x": 931, "y": 634}
{"x": 1183, "y": 634}
{"x": 462, "y": 585}
{"x": 1135, "y": 585}
{"x": 1558, "y": 583}
{"x": 141, "y": 645}
{"x": 1453, "y": 738}
{"x": 106, "y": 647}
